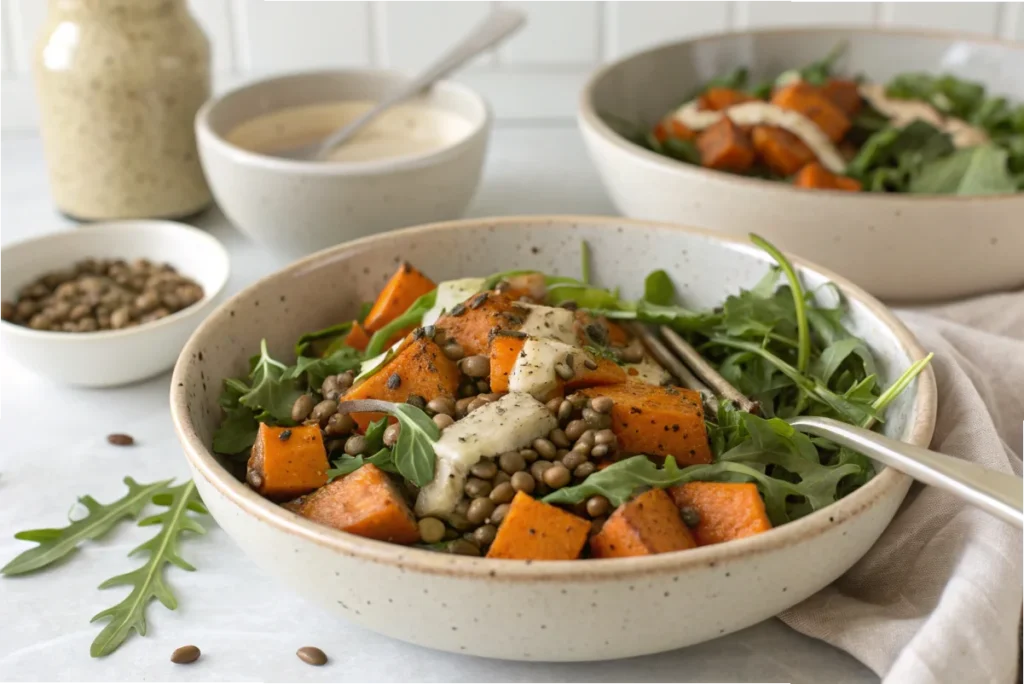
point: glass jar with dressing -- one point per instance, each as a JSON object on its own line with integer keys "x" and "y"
{"x": 119, "y": 83}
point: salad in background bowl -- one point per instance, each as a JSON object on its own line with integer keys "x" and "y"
{"x": 932, "y": 134}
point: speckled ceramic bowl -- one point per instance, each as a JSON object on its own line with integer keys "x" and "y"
{"x": 897, "y": 246}
{"x": 297, "y": 207}
{"x": 546, "y": 611}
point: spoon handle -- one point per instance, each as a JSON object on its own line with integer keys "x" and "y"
{"x": 501, "y": 23}
{"x": 1000, "y": 494}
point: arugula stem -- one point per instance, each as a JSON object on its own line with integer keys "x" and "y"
{"x": 799, "y": 305}
{"x": 410, "y": 318}
{"x": 585, "y": 262}
{"x": 896, "y": 388}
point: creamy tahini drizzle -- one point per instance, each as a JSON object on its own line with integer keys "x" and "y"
{"x": 903, "y": 112}
{"x": 754, "y": 113}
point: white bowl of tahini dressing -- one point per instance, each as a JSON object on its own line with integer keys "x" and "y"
{"x": 420, "y": 161}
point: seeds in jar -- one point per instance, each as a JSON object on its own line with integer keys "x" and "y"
{"x": 102, "y": 294}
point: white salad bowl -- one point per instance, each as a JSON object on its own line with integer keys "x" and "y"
{"x": 297, "y": 207}
{"x": 898, "y": 246}
{"x": 544, "y": 611}
{"x": 108, "y": 358}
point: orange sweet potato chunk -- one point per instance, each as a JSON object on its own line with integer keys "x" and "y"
{"x": 420, "y": 368}
{"x": 780, "y": 150}
{"x": 727, "y": 510}
{"x": 357, "y": 337}
{"x": 814, "y": 175}
{"x": 717, "y": 99}
{"x": 845, "y": 94}
{"x": 812, "y": 103}
{"x": 505, "y": 350}
{"x": 287, "y": 462}
{"x": 725, "y": 147}
{"x": 657, "y": 421}
{"x": 647, "y": 525}
{"x": 405, "y": 287}
{"x": 534, "y": 530}
{"x": 365, "y": 502}
{"x": 474, "y": 327}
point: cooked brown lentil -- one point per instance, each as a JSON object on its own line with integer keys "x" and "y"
{"x": 602, "y": 404}
{"x": 302, "y": 407}
{"x": 475, "y": 487}
{"x": 355, "y": 445}
{"x": 500, "y": 511}
{"x": 544, "y": 448}
{"x": 502, "y": 493}
{"x": 559, "y": 438}
{"x": 574, "y": 459}
{"x": 557, "y": 476}
{"x": 477, "y": 366}
{"x": 431, "y": 530}
{"x": 391, "y": 434}
{"x": 480, "y": 510}
{"x": 575, "y": 429}
{"x": 441, "y": 406}
{"x": 311, "y": 655}
{"x": 584, "y": 470}
{"x": 512, "y": 462}
{"x": 463, "y": 547}
{"x": 537, "y": 469}
{"x": 598, "y": 506}
{"x": 485, "y": 534}
{"x": 523, "y": 481}
{"x": 442, "y": 420}
{"x": 102, "y": 294}
{"x": 485, "y": 470}
{"x": 340, "y": 424}
{"x": 323, "y": 411}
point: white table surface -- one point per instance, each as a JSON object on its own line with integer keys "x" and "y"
{"x": 248, "y": 628}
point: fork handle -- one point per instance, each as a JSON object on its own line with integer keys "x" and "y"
{"x": 1000, "y": 494}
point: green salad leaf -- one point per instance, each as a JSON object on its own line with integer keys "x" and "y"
{"x": 329, "y": 334}
{"x": 979, "y": 170}
{"x": 315, "y": 369}
{"x": 56, "y": 543}
{"x": 147, "y": 581}
{"x": 413, "y": 454}
{"x": 349, "y": 464}
{"x": 272, "y": 390}
{"x": 658, "y": 288}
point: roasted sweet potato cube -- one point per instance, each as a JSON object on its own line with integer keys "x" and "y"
{"x": 717, "y": 99}
{"x": 357, "y": 337}
{"x": 657, "y": 421}
{"x": 474, "y": 326}
{"x": 845, "y": 94}
{"x": 365, "y": 502}
{"x": 420, "y": 368}
{"x": 814, "y": 175}
{"x": 811, "y": 102}
{"x": 506, "y": 350}
{"x": 647, "y": 525}
{"x": 405, "y": 287}
{"x": 287, "y": 462}
{"x": 780, "y": 150}
{"x": 725, "y": 147}
{"x": 724, "y": 510}
{"x": 534, "y": 530}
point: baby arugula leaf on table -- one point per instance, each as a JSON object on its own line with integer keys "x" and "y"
{"x": 56, "y": 543}
{"x": 147, "y": 581}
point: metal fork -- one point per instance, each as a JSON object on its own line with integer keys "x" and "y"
{"x": 1000, "y": 494}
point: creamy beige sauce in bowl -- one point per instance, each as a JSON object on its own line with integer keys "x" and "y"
{"x": 406, "y": 130}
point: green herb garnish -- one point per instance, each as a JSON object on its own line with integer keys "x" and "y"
{"x": 413, "y": 454}
{"x": 56, "y": 543}
{"x": 147, "y": 582}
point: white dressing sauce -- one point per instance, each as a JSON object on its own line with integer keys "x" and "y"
{"x": 647, "y": 371}
{"x": 450, "y": 293}
{"x": 903, "y": 112}
{"x": 406, "y": 129}
{"x": 549, "y": 322}
{"x": 512, "y": 422}
{"x": 534, "y": 369}
{"x": 754, "y": 113}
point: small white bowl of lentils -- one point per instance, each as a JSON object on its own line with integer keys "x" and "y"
{"x": 109, "y": 303}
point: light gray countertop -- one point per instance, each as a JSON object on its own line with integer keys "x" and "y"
{"x": 54, "y": 450}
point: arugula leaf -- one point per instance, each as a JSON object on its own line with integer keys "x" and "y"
{"x": 836, "y": 354}
{"x": 147, "y": 581}
{"x": 584, "y": 262}
{"x": 237, "y": 432}
{"x": 890, "y": 158}
{"x": 56, "y": 543}
{"x": 979, "y": 170}
{"x": 349, "y": 464}
{"x": 734, "y": 80}
{"x": 273, "y": 390}
{"x": 618, "y": 481}
{"x": 411, "y": 318}
{"x": 305, "y": 342}
{"x": 950, "y": 95}
{"x": 375, "y": 435}
{"x": 658, "y": 288}
{"x": 316, "y": 370}
{"x": 681, "y": 150}
{"x": 413, "y": 453}
{"x": 803, "y": 334}
{"x": 817, "y": 73}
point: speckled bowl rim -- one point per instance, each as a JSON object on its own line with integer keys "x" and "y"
{"x": 588, "y": 119}
{"x": 885, "y": 484}
{"x": 128, "y": 226}
{"x": 479, "y": 127}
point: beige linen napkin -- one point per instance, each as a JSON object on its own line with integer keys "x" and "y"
{"x": 938, "y": 598}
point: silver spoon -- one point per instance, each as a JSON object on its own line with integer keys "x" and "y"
{"x": 500, "y": 24}
{"x": 1000, "y": 494}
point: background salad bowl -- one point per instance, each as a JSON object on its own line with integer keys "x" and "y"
{"x": 598, "y": 609}
{"x": 898, "y": 246}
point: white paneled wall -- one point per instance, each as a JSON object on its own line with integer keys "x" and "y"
{"x": 535, "y": 76}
